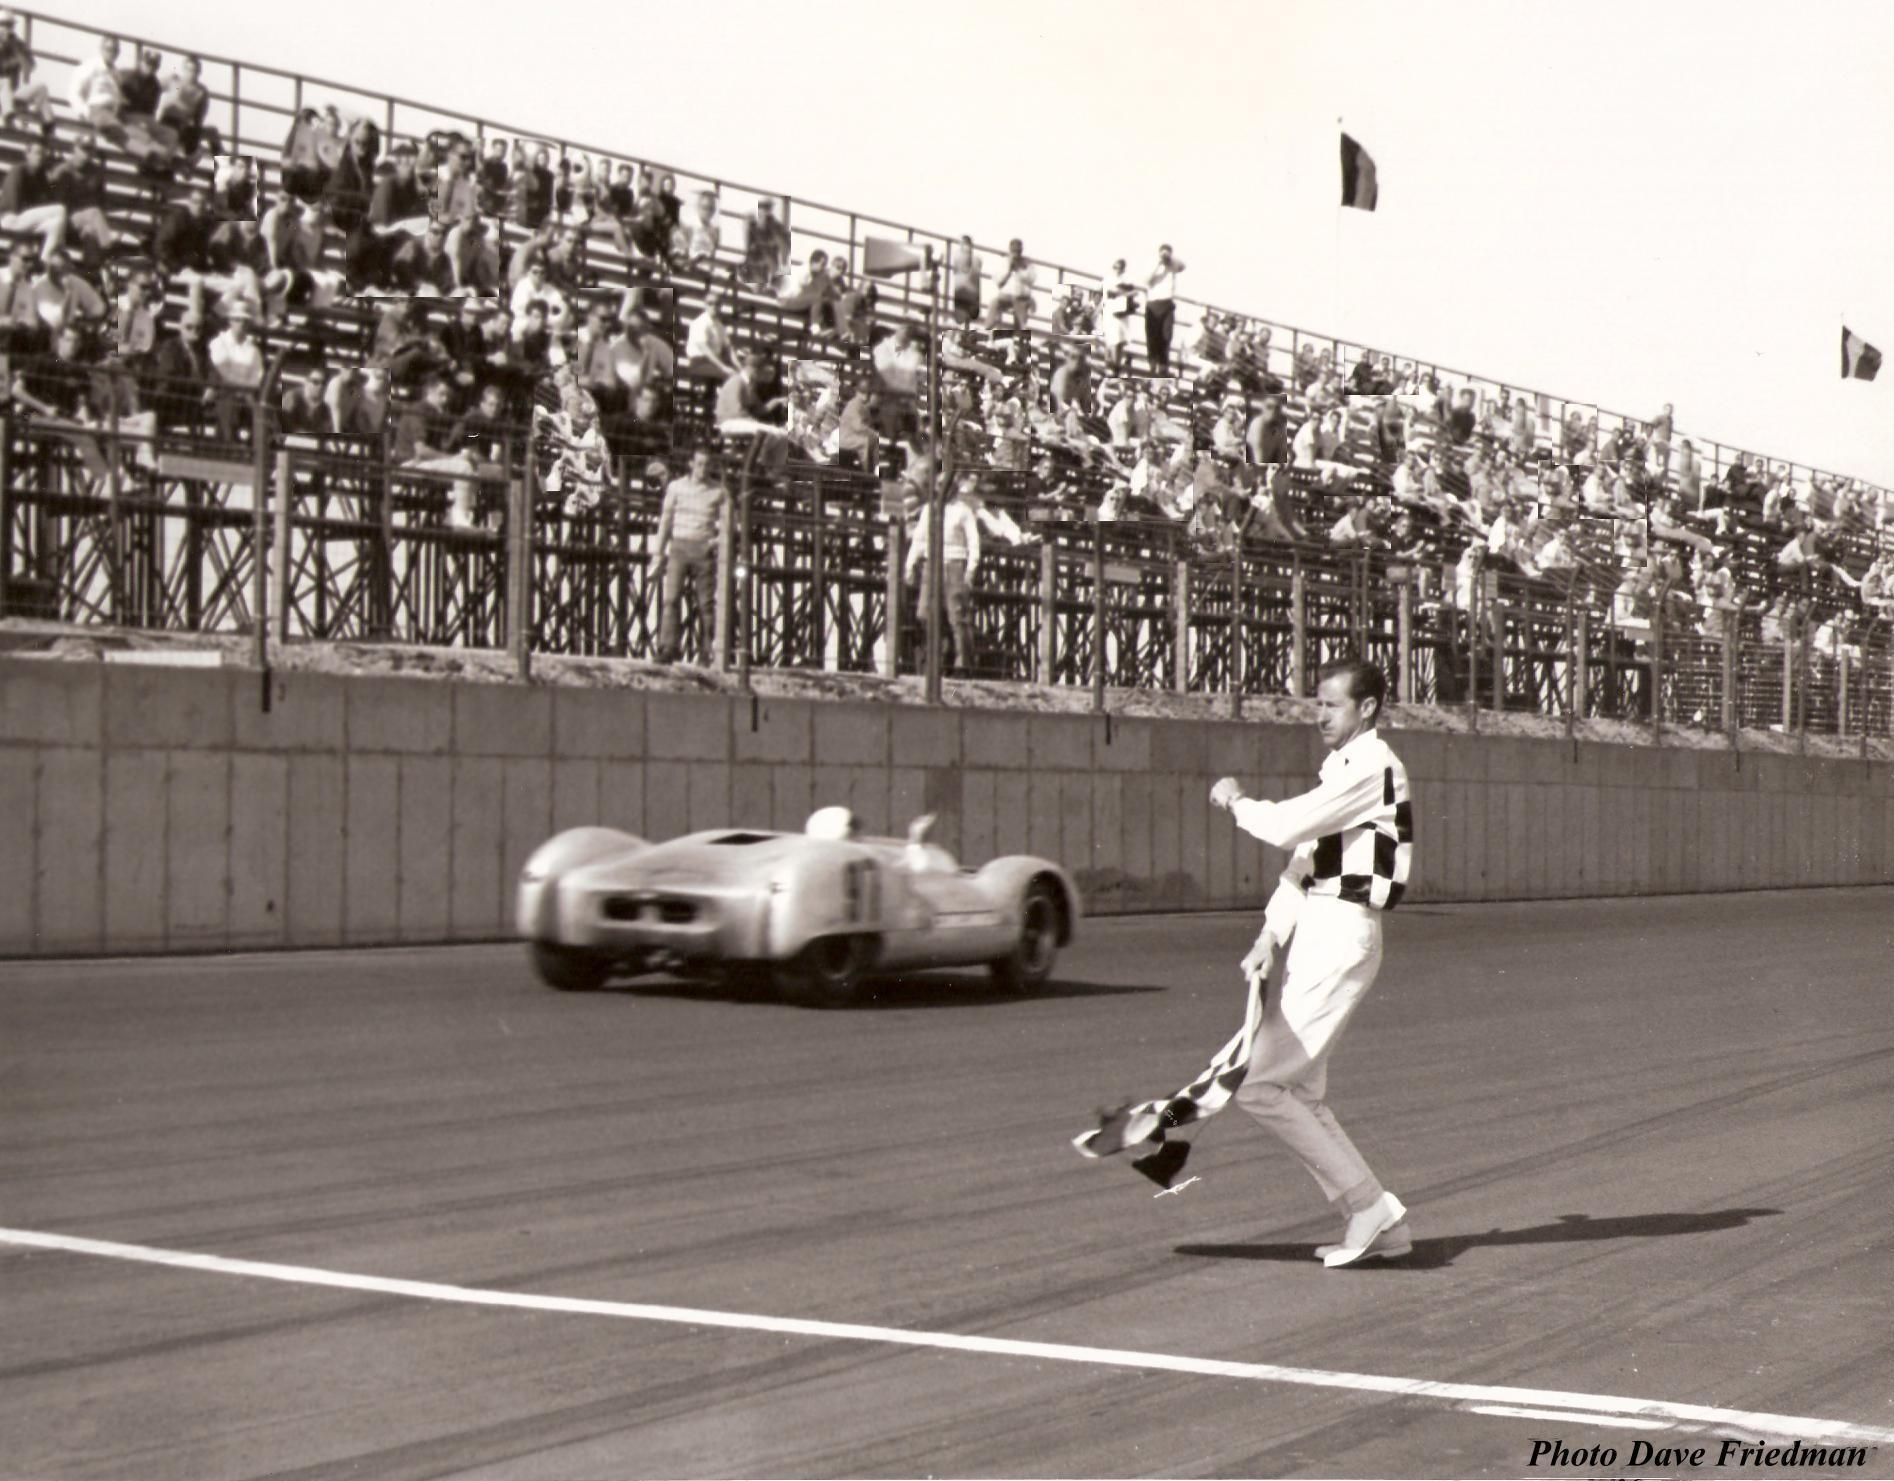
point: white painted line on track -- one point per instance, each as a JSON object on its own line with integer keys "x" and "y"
{"x": 1661, "y": 1412}
{"x": 1568, "y": 1416}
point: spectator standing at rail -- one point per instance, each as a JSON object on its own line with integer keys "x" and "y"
{"x": 690, "y": 530}
{"x": 959, "y": 563}
{"x": 236, "y": 359}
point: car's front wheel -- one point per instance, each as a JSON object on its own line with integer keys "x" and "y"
{"x": 567, "y": 968}
{"x": 1029, "y": 964}
{"x": 827, "y": 973}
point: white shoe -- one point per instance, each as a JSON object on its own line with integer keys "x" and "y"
{"x": 1397, "y": 1241}
{"x": 1369, "y": 1231}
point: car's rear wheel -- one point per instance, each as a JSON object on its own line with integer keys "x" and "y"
{"x": 1029, "y": 964}
{"x": 827, "y": 973}
{"x": 569, "y": 969}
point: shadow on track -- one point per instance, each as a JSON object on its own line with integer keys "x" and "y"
{"x": 1438, "y": 1253}
{"x": 935, "y": 990}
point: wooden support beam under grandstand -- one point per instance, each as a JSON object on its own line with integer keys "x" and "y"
{"x": 1298, "y": 632}
{"x": 896, "y": 624}
{"x": 1404, "y": 640}
{"x": 1788, "y": 683}
{"x": 519, "y": 573}
{"x": 283, "y": 495}
{"x": 1098, "y": 616}
{"x": 1236, "y": 627}
{"x": 1048, "y": 644}
{"x": 726, "y": 592}
{"x": 1497, "y": 626}
{"x": 1657, "y": 669}
{"x": 1180, "y": 616}
{"x": 1729, "y": 641}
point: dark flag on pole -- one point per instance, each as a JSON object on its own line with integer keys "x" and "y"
{"x": 1358, "y": 183}
{"x": 1859, "y": 359}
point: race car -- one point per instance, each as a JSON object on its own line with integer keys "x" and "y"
{"x": 820, "y": 910}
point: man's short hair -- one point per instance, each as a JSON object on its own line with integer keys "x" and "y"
{"x": 1365, "y": 680}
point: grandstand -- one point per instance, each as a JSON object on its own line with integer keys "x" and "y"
{"x": 156, "y": 470}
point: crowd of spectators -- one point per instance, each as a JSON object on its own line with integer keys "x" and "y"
{"x": 463, "y": 304}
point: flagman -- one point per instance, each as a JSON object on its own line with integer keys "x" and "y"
{"x": 1352, "y": 839}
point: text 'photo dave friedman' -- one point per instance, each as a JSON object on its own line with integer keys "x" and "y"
{"x": 1352, "y": 843}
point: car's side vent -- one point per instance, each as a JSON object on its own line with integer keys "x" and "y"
{"x": 736, "y": 839}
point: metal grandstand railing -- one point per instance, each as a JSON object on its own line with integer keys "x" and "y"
{"x": 253, "y": 106}
{"x": 176, "y": 533}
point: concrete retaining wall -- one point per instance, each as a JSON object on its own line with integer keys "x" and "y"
{"x": 149, "y": 809}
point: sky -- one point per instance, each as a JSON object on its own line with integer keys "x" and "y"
{"x": 1621, "y": 203}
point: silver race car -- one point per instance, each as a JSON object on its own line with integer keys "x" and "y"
{"x": 820, "y": 909}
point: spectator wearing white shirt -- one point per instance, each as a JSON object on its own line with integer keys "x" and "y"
{"x": 61, "y": 297}
{"x": 1130, "y": 419}
{"x": 1013, "y": 294}
{"x": 709, "y": 352}
{"x": 960, "y": 561}
{"x": 1160, "y": 310}
{"x": 536, "y": 287}
{"x": 236, "y": 359}
{"x": 700, "y": 234}
{"x": 94, "y": 90}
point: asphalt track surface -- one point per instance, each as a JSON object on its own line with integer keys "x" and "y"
{"x": 1646, "y": 1145}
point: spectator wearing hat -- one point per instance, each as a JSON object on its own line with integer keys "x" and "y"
{"x": 30, "y": 199}
{"x": 19, "y": 94}
{"x": 236, "y": 362}
{"x": 1013, "y": 293}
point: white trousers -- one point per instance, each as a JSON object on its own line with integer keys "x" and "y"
{"x": 1333, "y": 959}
